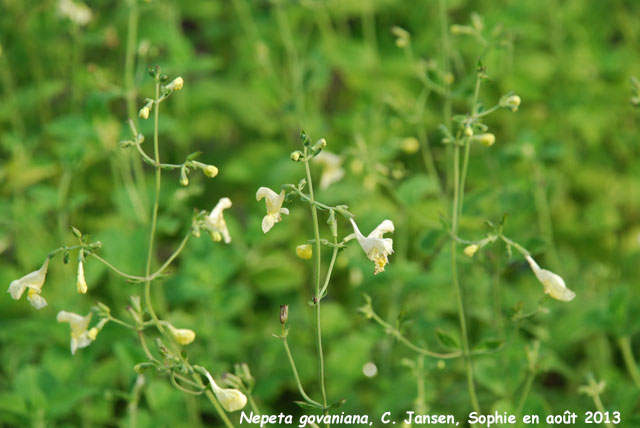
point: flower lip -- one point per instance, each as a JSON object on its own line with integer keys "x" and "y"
{"x": 231, "y": 399}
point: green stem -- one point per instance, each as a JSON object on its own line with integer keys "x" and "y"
{"x": 627, "y": 354}
{"x": 135, "y": 399}
{"x": 525, "y": 392}
{"x": 446, "y": 65}
{"x": 389, "y": 329}
{"x": 295, "y": 372}
{"x": 154, "y": 215}
{"x": 456, "y": 285}
{"x": 316, "y": 232}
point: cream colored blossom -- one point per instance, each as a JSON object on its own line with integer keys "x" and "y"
{"x": 274, "y": 207}
{"x": 81, "y": 337}
{"x": 78, "y": 13}
{"x": 216, "y": 222}
{"x": 81, "y": 283}
{"x": 144, "y": 113}
{"x": 183, "y": 336}
{"x": 231, "y": 399}
{"x": 375, "y": 246}
{"x": 331, "y": 168}
{"x": 553, "y": 284}
{"x": 34, "y": 282}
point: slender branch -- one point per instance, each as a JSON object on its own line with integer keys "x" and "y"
{"x": 627, "y": 354}
{"x": 295, "y": 373}
{"x": 316, "y": 232}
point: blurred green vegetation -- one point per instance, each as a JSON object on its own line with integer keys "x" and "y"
{"x": 565, "y": 168}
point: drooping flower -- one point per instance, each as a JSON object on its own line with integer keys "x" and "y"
{"x": 553, "y": 284}
{"x": 331, "y": 168}
{"x": 375, "y": 246}
{"x": 231, "y": 399}
{"x": 176, "y": 84}
{"x": 274, "y": 207}
{"x": 34, "y": 282}
{"x": 216, "y": 222}
{"x": 81, "y": 336}
{"x": 81, "y": 283}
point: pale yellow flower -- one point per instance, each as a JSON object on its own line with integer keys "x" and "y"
{"x": 274, "y": 207}
{"x": 81, "y": 283}
{"x": 81, "y": 337}
{"x": 183, "y": 336}
{"x": 231, "y": 399}
{"x": 76, "y": 12}
{"x": 176, "y": 84}
{"x": 553, "y": 284}
{"x": 216, "y": 222}
{"x": 34, "y": 282}
{"x": 144, "y": 113}
{"x": 331, "y": 168}
{"x": 375, "y": 246}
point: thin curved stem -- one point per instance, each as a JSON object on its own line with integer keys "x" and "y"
{"x": 295, "y": 374}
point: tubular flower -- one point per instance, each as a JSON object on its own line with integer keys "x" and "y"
{"x": 470, "y": 250}
{"x": 331, "y": 168}
{"x": 81, "y": 283}
{"x": 81, "y": 337}
{"x": 183, "y": 336}
{"x": 553, "y": 284}
{"x": 231, "y": 399}
{"x": 216, "y": 222}
{"x": 34, "y": 282}
{"x": 304, "y": 251}
{"x": 375, "y": 246}
{"x": 274, "y": 207}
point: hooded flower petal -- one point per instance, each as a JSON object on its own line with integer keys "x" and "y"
{"x": 216, "y": 222}
{"x": 331, "y": 168}
{"x": 231, "y": 399}
{"x": 553, "y": 284}
{"x": 375, "y": 246}
{"x": 274, "y": 207}
{"x": 34, "y": 281}
{"x": 80, "y": 336}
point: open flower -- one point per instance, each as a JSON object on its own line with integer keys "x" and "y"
{"x": 183, "y": 336}
{"x": 553, "y": 284}
{"x": 274, "y": 207}
{"x": 331, "y": 168}
{"x": 34, "y": 282}
{"x": 375, "y": 246}
{"x": 231, "y": 399}
{"x": 81, "y": 337}
{"x": 216, "y": 222}
{"x": 81, "y": 283}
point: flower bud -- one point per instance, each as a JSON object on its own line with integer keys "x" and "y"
{"x": 487, "y": 139}
{"x": 512, "y": 102}
{"x": 304, "y": 251}
{"x": 93, "y": 333}
{"x": 144, "y": 113}
{"x": 176, "y": 84}
{"x": 468, "y": 131}
{"x": 319, "y": 145}
{"x": 210, "y": 171}
{"x": 81, "y": 283}
{"x": 470, "y": 250}
{"x": 295, "y": 156}
{"x": 410, "y": 145}
{"x": 461, "y": 29}
{"x": 182, "y": 336}
{"x": 284, "y": 314}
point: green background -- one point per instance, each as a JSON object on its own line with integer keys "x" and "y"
{"x": 565, "y": 168}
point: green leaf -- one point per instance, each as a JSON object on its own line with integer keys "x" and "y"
{"x": 307, "y": 406}
{"x": 447, "y": 339}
